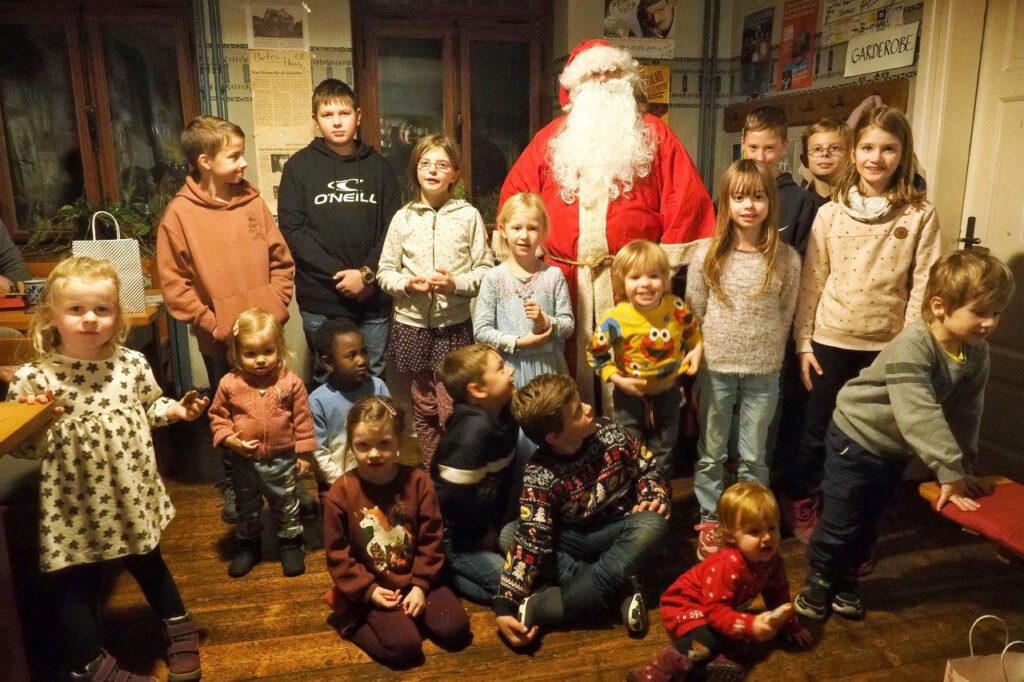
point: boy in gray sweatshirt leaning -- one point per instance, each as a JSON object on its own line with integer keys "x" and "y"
{"x": 921, "y": 396}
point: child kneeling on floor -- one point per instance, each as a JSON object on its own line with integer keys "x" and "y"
{"x": 704, "y": 609}
{"x": 593, "y": 507}
{"x": 921, "y": 396}
{"x": 382, "y": 536}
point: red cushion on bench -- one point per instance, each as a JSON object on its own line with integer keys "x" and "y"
{"x": 1000, "y": 518}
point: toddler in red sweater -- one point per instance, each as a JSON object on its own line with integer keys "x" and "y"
{"x": 261, "y": 415}
{"x": 704, "y": 610}
{"x": 382, "y": 536}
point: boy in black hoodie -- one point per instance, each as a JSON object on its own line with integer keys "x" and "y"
{"x": 334, "y": 206}
{"x": 472, "y": 468}
{"x": 764, "y": 139}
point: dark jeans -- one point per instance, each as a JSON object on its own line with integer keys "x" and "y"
{"x": 788, "y": 426}
{"x": 217, "y": 368}
{"x": 473, "y": 573}
{"x": 394, "y": 639}
{"x": 661, "y": 436}
{"x": 594, "y": 561}
{"x": 838, "y": 365}
{"x": 857, "y": 486}
{"x": 79, "y": 590}
{"x": 700, "y": 644}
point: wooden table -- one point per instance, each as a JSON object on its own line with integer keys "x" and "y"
{"x": 18, "y": 422}
{"x": 22, "y": 319}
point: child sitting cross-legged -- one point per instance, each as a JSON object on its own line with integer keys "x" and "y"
{"x": 474, "y": 466}
{"x": 382, "y": 536}
{"x": 592, "y": 509}
{"x": 704, "y": 609}
{"x": 343, "y": 352}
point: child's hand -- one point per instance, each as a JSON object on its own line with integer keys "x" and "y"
{"x": 692, "y": 359}
{"x": 515, "y": 633}
{"x": 42, "y": 399}
{"x": 385, "y": 599}
{"x": 414, "y": 602}
{"x": 807, "y": 362}
{"x": 349, "y": 283}
{"x": 961, "y": 491}
{"x": 633, "y": 386}
{"x": 801, "y": 637}
{"x": 417, "y": 285}
{"x": 533, "y": 339}
{"x": 302, "y": 466}
{"x": 242, "y": 447}
{"x": 534, "y": 313}
{"x": 188, "y": 408}
{"x": 765, "y": 626}
{"x": 657, "y": 506}
{"x": 442, "y": 282}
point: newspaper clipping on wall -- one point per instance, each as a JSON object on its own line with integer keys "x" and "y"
{"x": 276, "y": 27}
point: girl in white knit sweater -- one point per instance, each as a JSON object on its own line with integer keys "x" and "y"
{"x": 743, "y": 287}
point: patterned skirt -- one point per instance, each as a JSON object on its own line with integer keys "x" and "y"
{"x": 416, "y": 349}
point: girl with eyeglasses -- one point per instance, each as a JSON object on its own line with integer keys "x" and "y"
{"x": 432, "y": 262}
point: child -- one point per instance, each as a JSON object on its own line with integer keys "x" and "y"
{"x": 921, "y": 396}
{"x": 643, "y": 345}
{"x": 826, "y": 150}
{"x": 863, "y": 279}
{"x": 764, "y": 139}
{"x": 704, "y": 610}
{"x": 433, "y": 260}
{"x": 336, "y": 199}
{"x": 523, "y": 308}
{"x": 742, "y": 287}
{"x": 593, "y": 508}
{"x": 342, "y": 351}
{"x": 474, "y": 467}
{"x": 219, "y": 252}
{"x": 98, "y": 446}
{"x": 261, "y": 413}
{"x": 382, "y": 535}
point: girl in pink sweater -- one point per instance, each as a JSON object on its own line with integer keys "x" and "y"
{"x": 261, "y": 414}
{"x": 705, "y": 609}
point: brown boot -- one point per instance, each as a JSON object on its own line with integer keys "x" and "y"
{"x": 183, "y": 649}
{"x": 105, "y": 669}
{"x": 667, "y": 665}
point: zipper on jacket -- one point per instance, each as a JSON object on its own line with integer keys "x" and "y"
{"x": 433, "y": 264}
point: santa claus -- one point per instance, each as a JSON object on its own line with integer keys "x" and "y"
{"x": 608, "y": 174}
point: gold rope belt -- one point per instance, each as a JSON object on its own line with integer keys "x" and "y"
{"x": 591, "y": 263}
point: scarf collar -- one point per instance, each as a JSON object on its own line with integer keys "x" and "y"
{"x": 865, "y": 208}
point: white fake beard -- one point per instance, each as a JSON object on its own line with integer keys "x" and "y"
{"x": 604, "y": 144}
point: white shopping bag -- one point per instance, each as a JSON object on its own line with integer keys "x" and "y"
{"x": 124, "y": 254}
{"x": 1005, "y": 667}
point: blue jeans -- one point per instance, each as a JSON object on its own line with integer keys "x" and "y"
{"x": 757, "y": 396}
{"x": 274, "y": 478}
{"x": 593, "y": 562}
{"x": 373, "y": 329}
{"x": 857, "y": 486}
{"x": 474, "y": 574}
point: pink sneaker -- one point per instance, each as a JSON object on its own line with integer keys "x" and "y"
{"x": 707, "y": 539}
{"x": 800, "y": 516}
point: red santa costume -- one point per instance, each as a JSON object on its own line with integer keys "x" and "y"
{"x": 608, "y": 174}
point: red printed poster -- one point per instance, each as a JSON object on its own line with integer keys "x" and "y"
{"x": 796, "y": 49}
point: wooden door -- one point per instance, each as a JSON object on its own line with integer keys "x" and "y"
{"x": 995, "y": 198}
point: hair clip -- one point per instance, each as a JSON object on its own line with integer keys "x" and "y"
{"x": 387, "y": 407}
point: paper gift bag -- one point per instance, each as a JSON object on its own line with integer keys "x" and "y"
{"x": 124, "y": 254}
{"x": 1005, "y": 667}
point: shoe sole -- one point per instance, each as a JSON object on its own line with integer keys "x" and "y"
{"x": 639, "y": 607}
{"x": 190, "y": 676}
{"x": 854, "y": 613}
{"x": 801, "y": 607}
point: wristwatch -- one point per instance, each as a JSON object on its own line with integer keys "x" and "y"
{"x": 368, "y": 275}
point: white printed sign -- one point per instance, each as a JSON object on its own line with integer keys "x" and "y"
{"x": 881, "y": 50}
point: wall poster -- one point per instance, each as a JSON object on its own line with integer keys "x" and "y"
{"x": 756, "y": 53}
{"x": 796, "y": 49}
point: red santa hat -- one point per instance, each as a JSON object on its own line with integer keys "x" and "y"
{"x": 588, "y": 58}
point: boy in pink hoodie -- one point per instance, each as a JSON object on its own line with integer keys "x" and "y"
{"x": 219, "y": 252}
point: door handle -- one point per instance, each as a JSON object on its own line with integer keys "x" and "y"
{"x": 969, "y": 240}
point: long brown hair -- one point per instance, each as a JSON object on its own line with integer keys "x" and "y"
{"x": 901, "y": 189}
{"x": 743, "y": 177}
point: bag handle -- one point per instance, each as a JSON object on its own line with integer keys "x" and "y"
{"x": 1006, "y": 632}
{"x": 1002, "y": 658}
{"x": 112, "y": 219}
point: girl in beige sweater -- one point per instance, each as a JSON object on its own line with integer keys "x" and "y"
{"x": 863, "y": 279}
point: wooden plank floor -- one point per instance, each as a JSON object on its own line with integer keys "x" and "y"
{"x": 932, "y": 581}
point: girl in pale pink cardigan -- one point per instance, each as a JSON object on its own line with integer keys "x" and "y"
{"x": 261, "y": 414}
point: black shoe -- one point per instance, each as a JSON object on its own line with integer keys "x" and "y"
{"x": 229, "y": 512}
{"x": 293, "y": 556}
{"x": 633, "y": 608}
{"x": 813, "y": 600}
{"x": 847, "y": 601}
{"x": 247, "y": 555}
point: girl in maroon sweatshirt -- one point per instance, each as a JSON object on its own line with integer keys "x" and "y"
{"x": 705, "y": 609}
{"x": 382, "y": 536}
